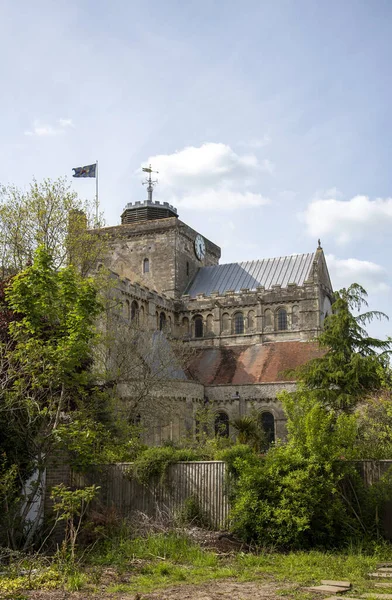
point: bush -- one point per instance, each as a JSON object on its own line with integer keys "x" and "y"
{"x": 288, "y": 501}
{"x": 153, "y": 463}
{"x": 304, "y": 493}
{"x": 232, "y": 457}
{"x": 191, "y": 513}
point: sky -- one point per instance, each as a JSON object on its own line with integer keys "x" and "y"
{"x": 269, "y": 121}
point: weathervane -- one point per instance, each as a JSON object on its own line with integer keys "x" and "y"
{"x": 149, "y": 182}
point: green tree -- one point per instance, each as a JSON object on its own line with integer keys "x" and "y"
{"x": 46, "y": 375}
{"x": 48, "y": 214}
{"x": 374, "y": 419}
{"x": 354, "y": 364}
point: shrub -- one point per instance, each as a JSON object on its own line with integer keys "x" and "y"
{"x": 153, "y": 463}
{"x": 234, "y": 455}
{"x": 288, "y": 501}
{"x": 191, "y": 513}
{"x": 305, "y": 493}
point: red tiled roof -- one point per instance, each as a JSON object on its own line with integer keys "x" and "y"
{"x": 258, "y": 363}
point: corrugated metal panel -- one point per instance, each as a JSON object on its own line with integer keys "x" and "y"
{"x": 203, "y": 481}
{"x": 252, "y": 274}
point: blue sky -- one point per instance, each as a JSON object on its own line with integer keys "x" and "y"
{"x": 269, "y": 121}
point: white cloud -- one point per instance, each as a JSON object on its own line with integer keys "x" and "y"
{"x": 348, "y": 220}
{"x": 370, "y": 275}
{"x": 66, "y": 123}
{"x": 210, "y": 177}
{"x": 45, "y": 130}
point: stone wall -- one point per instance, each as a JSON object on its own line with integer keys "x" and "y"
{"x": 168, "y": 411}
{"x": 260, "y": 310}
{"x": 167, "y": 245}
{"x": 187, "y": 263}
{"x": 240, "y": 400}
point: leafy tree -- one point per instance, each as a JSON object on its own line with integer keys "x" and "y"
{"x": 318, "y": 433}
{"x": 304, "y": 492}
{"x": 50, "y": 215}
{"x": 354, "y": 364}
{"x": 46, "y": 376}
{"x": 139, "y": 362}
{"x": 374, "y": 419}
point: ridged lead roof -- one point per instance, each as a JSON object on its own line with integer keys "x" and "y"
{"x": 252, "y": 274}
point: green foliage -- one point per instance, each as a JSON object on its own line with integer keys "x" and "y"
{"x": 249, "y": 431}
{"x": 374, "y": 440}
{"x": 70, "y": 506}
{"x": 49, "y": 214}
{"x": 354, "y": 364}
{"x": 158, "y": 560}
{"x": 191, "y": 513}
{"x": 9, "y": 502}
{"x": 304, "y": 493}
{"x": 48, "y": 389}
{"x": 234, "y": 456}
{"x": 152, "y": 464}
{"x": 287, "y": 501}
{"x": 316, "y": 432}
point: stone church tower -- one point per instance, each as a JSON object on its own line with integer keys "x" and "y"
{"x": 249, "y": 322}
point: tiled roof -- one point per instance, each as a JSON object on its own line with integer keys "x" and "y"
{"x": 258, "y": 363}
{"x": 252, "y": 274}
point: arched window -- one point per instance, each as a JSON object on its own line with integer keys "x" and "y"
{"x": 282, "y": 319}
{"x": 210, "y": 324}
{"x": 225, "y": 322}
{"x": 251, "y": 320}
{"x": 222, "y": 425}
{"x": 268, "y": 318}
{"x": 169, "y": 323}
{"x": 162, "y": 321}
{"x": 268, "y": 427}
{"x": 141, "y": 313}
{"x": 127, "y": 310}
{"x": 238, "y": 323}
{"x": 185, "y": 326}
{"x": 295, "y": 317}
{"x": 134, "y": 311}
{"x": 198, "y": 325}
{"x": 146, "y": 265}
{"x": 187, "y": 268}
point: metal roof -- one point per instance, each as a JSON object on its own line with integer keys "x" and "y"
{"x": 252, "y": 274}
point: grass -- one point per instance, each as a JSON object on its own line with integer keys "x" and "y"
{"x": 159, "y": 560}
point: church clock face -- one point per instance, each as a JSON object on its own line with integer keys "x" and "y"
{"x": 200, "y": 247}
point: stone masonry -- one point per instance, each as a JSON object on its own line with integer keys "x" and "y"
{"x": 245, "y": 340}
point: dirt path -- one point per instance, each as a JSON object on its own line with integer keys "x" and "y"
{"x": 213, "y": 590}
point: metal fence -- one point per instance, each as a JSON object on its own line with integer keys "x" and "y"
{"x": 202, "y": 482}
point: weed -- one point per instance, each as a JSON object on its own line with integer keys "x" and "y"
{"x": 76, "y": 581}
{"x": 160, "y": 560}
{"x": 191, "y": 513}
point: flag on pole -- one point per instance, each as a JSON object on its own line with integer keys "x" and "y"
{"x": 87, "y": 171}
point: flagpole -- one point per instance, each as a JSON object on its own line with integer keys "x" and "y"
{"x": 96, "y": 196}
